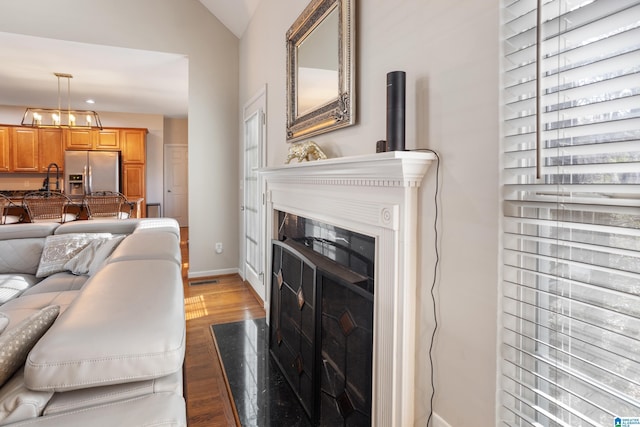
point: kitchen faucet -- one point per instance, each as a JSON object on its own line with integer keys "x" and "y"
{"x": 46, "y": 185}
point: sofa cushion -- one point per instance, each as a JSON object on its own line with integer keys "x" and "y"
{"x": 18, "y": 403}
{"x": 132, "y": 313}
{"x": 159, "y": 409}
{"x": 20, "y": 255}
{"x": 18, "y": 341}
{"x": 114, "y": 226}
{"x": 78, "y": 399}
{"x": 20, "y": 308}
{"x": 59, "y": 249}
{"x": 27, "y": 230}
{"x": 13, "y": 285}
{"x": 168, "y": 225}
{"x": 57, "y": 282}
{"x": 148, "y": 245}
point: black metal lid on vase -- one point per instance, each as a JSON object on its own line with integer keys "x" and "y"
{"x": 396, "y": 100}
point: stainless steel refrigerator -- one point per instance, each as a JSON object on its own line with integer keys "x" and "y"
{"x": 89, "y": 171}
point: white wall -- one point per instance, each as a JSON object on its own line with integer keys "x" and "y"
{"x": 450, "y": 53}
{"x": 184, "y": 27}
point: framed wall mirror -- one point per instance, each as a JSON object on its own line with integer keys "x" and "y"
{"x": 321, "y": 69}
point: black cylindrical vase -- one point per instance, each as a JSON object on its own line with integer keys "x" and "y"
{"x": 396, "y": 87}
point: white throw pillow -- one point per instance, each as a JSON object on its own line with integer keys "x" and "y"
{"x": 91, "y": 258}
{"x": 16, "y": 343}
{"x": 60, "y": 248}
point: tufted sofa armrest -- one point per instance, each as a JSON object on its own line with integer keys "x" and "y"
{"x": 132, "y": 313}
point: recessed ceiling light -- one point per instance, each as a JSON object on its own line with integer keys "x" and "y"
{"x": 90, "y": 101}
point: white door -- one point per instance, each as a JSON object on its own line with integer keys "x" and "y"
{"x": 176, "y": 183}
{"x": 253, "y": 152}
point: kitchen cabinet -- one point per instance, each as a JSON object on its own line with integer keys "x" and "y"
{"x": 92, "y": 139}
{"x": 133, "y": 185}
{"x": 78, "y": 139}
{"x": 107, "y": 139}
{"x": 133, "y": 145}
{"x": 24, "y": 149}
{"x": 5, "y": 136}
{"x": 27, "y": 149}
{"x": 51, "y": 148}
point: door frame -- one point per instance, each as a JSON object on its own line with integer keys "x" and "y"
{"x": 257, "y": 102}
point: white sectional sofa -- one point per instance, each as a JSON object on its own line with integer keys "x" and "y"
{"x": 109, "y": 339}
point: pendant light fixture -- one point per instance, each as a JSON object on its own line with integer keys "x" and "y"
{"x": 59, "y": 118}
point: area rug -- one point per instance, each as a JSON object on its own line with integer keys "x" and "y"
{"x": 261, "y": 395}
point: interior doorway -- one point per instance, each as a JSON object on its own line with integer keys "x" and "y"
{"x": 176, "y": 183}
{"x": 253, "y": 158}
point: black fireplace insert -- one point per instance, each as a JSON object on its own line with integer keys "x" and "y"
{"x": 321, "y": 333}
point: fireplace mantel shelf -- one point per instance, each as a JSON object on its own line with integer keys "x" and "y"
{"x": 393, "y": 168}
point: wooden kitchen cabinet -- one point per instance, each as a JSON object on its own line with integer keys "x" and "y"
{"x": 107, "y": 139}
{"x": 92, "y": 139}
{"x": 133, "y": 149}
{"x": 24, "y": 149}
{"x": 51, "y": 148}
{"x": 133, "y": 145}
{"x": 78, "y": 139}
{"x": 5, "y": 137}
{"x": 133, "y": 185}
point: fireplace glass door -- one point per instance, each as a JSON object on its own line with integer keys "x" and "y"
{"x": 321, "y": 334}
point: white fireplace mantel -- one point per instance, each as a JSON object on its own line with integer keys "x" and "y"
{"x": 376, "y": 195}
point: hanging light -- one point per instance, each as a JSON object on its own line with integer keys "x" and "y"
{"x": 59, "y": 118}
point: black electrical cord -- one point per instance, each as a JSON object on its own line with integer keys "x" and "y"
{"x": 433, "y": 284}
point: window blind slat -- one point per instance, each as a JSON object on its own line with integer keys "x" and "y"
{"x": 613, "y": 395}
{"x": 539, "y": 394}
{"x": 538, "y": 268}
{"x": 611, "y": 357}
{"x": 562, "y": 391}
{"x": 571, "y": 237}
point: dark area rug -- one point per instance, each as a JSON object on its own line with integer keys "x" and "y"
{"x": 261, "y": 394}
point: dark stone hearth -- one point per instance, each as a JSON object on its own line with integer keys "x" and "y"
{"x": 262, "y": 396}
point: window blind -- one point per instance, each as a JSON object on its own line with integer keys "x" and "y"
{"x": 570, "y": 351}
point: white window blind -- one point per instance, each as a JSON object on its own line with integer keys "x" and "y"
{"x": 570, "y": 353}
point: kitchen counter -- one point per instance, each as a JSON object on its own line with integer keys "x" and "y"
{"x": 77, "y": 204}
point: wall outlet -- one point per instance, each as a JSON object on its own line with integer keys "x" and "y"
{"x": 219, "y": 248}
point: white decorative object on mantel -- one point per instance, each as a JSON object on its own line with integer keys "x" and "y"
{"x": 376, "y": 195}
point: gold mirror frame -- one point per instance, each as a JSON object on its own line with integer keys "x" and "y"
{"x": 338, "y": 112}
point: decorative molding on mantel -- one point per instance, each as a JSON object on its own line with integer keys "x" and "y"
{"x": 376, "y": 195}
{"x": 388, "y": 169}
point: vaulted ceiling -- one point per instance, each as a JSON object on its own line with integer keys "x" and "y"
{"x": 234, "y": 14}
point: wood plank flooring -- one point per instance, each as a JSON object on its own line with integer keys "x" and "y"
{"x": 230, "y": 300}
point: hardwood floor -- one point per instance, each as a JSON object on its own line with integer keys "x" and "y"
{"x": 208, "y": 400}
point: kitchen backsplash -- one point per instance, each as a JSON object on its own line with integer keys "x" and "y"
{"x": 15, "y": 181}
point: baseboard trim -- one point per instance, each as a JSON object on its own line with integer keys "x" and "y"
{"x": 209, "y": 273}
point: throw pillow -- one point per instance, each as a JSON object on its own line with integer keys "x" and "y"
{"x": 91, "y": 258}
{"x": 60, "y": 248}
{"x": 16, "y": 343}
